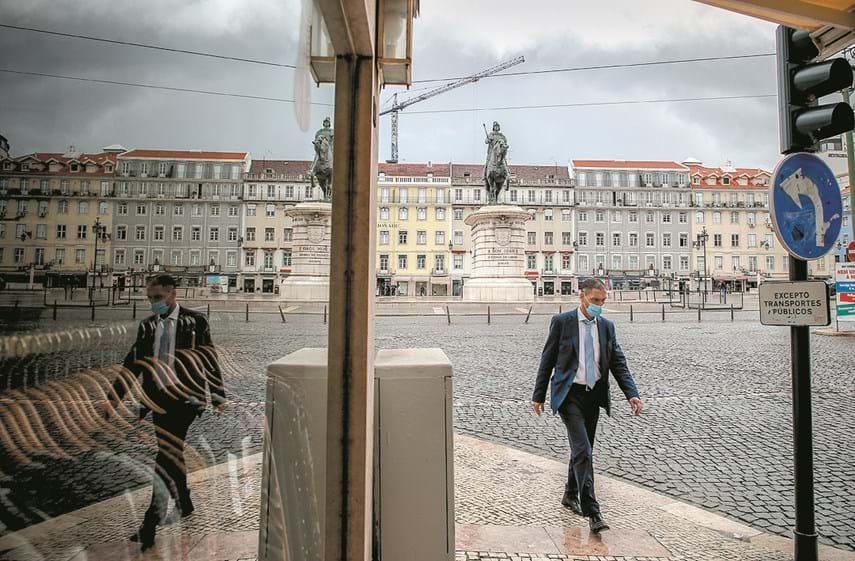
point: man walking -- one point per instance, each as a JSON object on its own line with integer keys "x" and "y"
{"x": 582, "y": 349}
{"x": 174, "y": 355}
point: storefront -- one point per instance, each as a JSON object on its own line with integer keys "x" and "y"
{"x": 439, "y": 288}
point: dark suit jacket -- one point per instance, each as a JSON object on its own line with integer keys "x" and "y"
{"x": 561, "y": 353}
{"x": 192, "y": 332}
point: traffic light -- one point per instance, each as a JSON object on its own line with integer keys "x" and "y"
{"x": 801, "y": 83}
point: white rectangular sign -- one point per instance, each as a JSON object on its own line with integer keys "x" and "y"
{"x": 794, "y": 303}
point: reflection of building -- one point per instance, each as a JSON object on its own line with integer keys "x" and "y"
{"x": 179, "y": 211}
{"x": 4, "y": 147}
{"x": 546, "y": 193}
{"x": 49, "y": 204}
{"x": 632, "y": 219}
{"x": 412, "y": 230}
{"x": 269, "y": 188}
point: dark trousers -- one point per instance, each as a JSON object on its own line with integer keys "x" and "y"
{"x": 170, "y": 471}
{"x": 580, "y": 413}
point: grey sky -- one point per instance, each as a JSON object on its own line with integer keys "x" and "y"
{"x": 452, "y": 38}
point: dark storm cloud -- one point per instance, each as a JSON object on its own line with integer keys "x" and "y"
{"x": 451, "y": 39}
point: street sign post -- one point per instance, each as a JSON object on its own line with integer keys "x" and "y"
{"x": 806, "y": 206}
{"x": 795, "y": 303}
{"x": 806, "y": 209}
{"x": 844, "y": 284}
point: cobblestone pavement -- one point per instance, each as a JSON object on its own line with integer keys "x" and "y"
{"x": 716, "y": 431}
{"x": 492, "y": 482}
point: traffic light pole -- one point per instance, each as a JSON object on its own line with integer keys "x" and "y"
{"x": 805, "y": 537}
{"x": 850, "y": 153}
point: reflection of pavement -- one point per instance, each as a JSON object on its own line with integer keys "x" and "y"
{"x": 717, "y": 431}
{"x": 507, "y": 507}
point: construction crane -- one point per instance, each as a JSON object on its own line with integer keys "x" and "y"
{"x": 398, "y": 107}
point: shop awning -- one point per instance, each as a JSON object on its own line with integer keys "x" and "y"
{"x": 831, "y": 23}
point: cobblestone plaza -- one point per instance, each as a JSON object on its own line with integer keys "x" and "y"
{"x": 716, "y": 431}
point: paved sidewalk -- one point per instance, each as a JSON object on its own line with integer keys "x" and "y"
{"x": 507, "y": 508}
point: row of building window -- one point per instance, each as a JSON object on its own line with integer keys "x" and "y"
{"x": 183, "y": 170}
{"x": 23, "y": 207}
{"x": 421, "y": 262}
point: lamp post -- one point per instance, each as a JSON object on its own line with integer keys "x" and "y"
{"x": 701, "y": 242}
{"x": 99, "y": 231}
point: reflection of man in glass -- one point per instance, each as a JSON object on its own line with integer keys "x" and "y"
{"x": 175, "y": 357}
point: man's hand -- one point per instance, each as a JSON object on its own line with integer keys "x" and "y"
{"x": 636, "y": 406}
{"x": 537, "y": 407}
{"x": 221, "y": 407}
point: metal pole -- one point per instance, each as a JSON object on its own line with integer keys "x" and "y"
{"x": 135, "y": 311}
{"x": 528, "y": 315}
{"x": 488, "y": 314}
{"x": 850, "y": 153}
{"x": 663, "y": 313}
{"x": 805, "y": 531}
{"x": 448, "y": 314}
{"x": 54, "y": 310}
{"x": 630, "y": 313}
{"x": 247, "y": 311}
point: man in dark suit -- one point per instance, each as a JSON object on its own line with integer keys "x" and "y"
{"x": 582, "y": 349}
{"x": 175, "y": 356}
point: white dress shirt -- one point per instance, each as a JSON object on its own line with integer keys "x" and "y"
{"x": 581, "y": 373}
{"x": 170, "y": 322}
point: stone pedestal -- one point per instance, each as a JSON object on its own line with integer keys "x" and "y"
{"x": 310, "y": 257}
{"x": 498, "y": 267}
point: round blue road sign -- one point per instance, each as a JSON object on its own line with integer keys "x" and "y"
{"x": 806, "y": 206}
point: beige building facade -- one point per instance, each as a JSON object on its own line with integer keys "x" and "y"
{"x": 54, "y": 209}
{"x": 413, "y": 218}
{"x": 731, "y": 219}
{"x": 271, "y": 187}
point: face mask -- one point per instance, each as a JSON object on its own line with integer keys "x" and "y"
{"x": 595, "y": 311}
{"x": 159, "y": 308}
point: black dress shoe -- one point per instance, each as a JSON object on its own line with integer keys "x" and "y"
{"x": 571, "y": 502}
{"x": 597, "y": 523}
{"x": 144, "y": 536}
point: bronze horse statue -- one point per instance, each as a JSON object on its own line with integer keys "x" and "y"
{"x": 322, "y": 166}
{"x": 496, "y": 172}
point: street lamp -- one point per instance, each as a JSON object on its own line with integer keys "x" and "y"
{"x": 99, "y": 231}
{"x": 701, "y": 242}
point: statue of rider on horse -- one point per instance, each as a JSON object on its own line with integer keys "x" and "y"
{"x": 322, "y": 164}
{"x": 496, "y": 170}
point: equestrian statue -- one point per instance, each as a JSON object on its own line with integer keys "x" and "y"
{"x": 322, "y": 164}
{"x": 496, "y": 170}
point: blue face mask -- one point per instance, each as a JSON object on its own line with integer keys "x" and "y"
{"x": 594, "y": 311}
{"x": 159, "y": 308}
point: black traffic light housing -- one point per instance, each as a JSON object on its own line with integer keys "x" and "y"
{"x": 801, "y": 82}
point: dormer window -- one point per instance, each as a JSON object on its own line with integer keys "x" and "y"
{"x": 7, "y": 166}
{"x": 108, "y": 168}
{"x": 25, "y": 167}
{"x": 725, "y": 180}
{"x": 268, "y": 171}
{"x": 696, "y": 180}
{"x": 75, "y": 167}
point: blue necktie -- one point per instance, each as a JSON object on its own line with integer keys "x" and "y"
{"x": 590, "y": 373}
